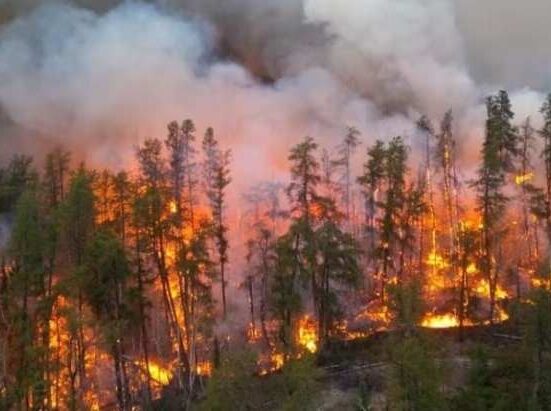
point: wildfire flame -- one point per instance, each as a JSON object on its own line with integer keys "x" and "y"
{"x": 523, "y": 178}
{"x": 440, "y": 321}
{"x": 307, "y": 334}
{"x": 204, "y": 368}
{"x": 436, "y": 260}
{"x": 253, "y": 333}
{"x": 483, "y": 289}
{"x": 157, "y": 372}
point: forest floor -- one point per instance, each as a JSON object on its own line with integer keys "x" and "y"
{"x": 352, "y": 368}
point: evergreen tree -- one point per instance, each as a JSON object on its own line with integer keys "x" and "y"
{"x": 416, "y": 377}
{"x": 371, "y": 182}
{"x": 346, "y": 152}
{"x": 446, "y": 164}
{"x": 392, "y": 205}
{"x": 78, "y": 212}
{"x": 152, "y": 209}
{"x": 56, "y": 171}
{"x": 217, "y": 178}
{"x": 14, "y": 179}
{"x": 26, "y": 302}
{"x": 545, "y": 208}
{"x": 103, "y": 277}
{"x": 498, "y": 151}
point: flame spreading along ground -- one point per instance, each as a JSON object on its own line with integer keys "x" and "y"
{"x": 440, "y": 321}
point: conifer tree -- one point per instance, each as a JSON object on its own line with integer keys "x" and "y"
{"x": 391, "y": 208}
{"x": 346, "y": 152}
{"x": 446, "y": 164}
{"x": 371, "y": 182}
{"x": 14, "y": 179}
{"x": 27, "y": 281}
{"x": 217, "y": 178}
{"x": 527, "y": 254}
{"x": 104, "y": 279}
{"x": 153, "y": 206}
{"x": 78, "y": 212}
{"x": 498, "y": 152}
{"x": 545, "y": 133}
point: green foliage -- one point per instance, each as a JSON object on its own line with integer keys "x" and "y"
{"x": 235, "y": 386}
{"x": 104, "y": 274}
{"x": 305, "y": 177}
{"x": 299, "y": 385}
{"x": 14, "y": 179}
{"x": 285, "y": 297}
{"x": 417, "y": 378}
{"x": 78, "y": 213}
{"x": 216, "y": 174}
{"x": 496, "y": 381}
{"x": 406, "y": 303}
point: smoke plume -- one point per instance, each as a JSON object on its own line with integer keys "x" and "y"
{"x": 99, "y": 76}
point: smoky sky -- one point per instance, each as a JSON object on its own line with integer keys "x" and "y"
{"x": 102, "y": 74}
{"x": 506, "y": 41}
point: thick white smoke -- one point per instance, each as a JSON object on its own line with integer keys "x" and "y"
{"x": 110, "y": 79}
{"x": 99, "y": 80}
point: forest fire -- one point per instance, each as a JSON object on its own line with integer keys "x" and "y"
{"x": 224, "y": 190}
{"x": 440, "y": 321}
{"x": 159, "y": 374}
{"x": 437, "y": 261}
{"x": 524, "y": 178}
{"x": 204, "y": 368}
{"x": 307, "y": 336}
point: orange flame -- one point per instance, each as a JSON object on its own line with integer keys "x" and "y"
{"x": 307, "y": 334}
{"x": 523, "y": 178}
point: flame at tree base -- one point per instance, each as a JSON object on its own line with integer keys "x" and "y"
{"x": 440, "y": 321}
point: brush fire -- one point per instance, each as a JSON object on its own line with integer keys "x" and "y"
{"x": 227, "y": 262}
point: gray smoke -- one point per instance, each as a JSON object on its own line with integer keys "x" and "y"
{"x": 100, "y": 75}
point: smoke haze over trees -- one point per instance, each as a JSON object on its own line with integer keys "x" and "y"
{"x": 249, "y": 204}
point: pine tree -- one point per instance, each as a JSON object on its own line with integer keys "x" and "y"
{"x": 153, "y": 216}
{"x": 545, "y": 134}
{"x": 52, "y": 191}
{"x": 337, "y": 266}
{"x": 103, "y": 277}
{"x": 391, "y": 207}
{"x": 78, "y": 212}
{"x": 56, "y": 171}
{"x": 446, "y": 164}
{"x": 346, "y": 152}
{"x": 522, "y": 180}
{"x": 14, "y": 179}
{"x": 122, "y": 203}
{"x": 27, "y": 297}
{"x": 427, "y": 130}
{"x": 498, "y": 151}
{"x": 217, "y": 178}
{"x": 371, "y": 182}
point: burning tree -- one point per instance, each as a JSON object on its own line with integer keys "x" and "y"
{"x": 499, "y": 149}
{"x": 109, "y": 276}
